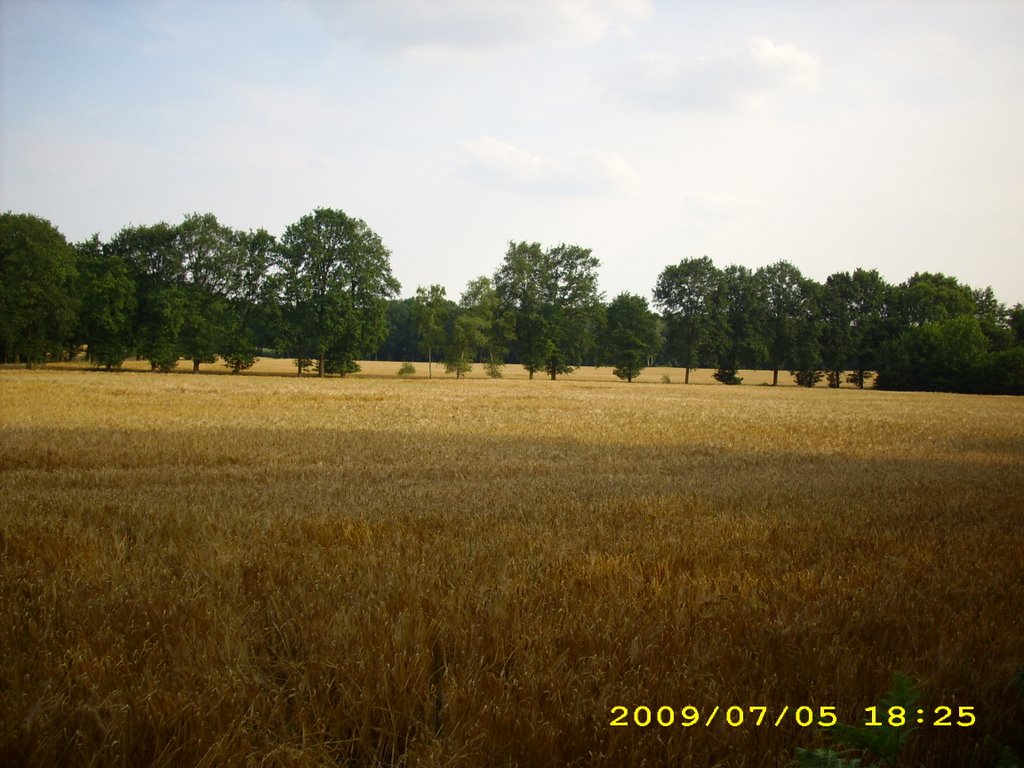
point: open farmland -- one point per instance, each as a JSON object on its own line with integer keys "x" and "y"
{"x": 220, "y": 570}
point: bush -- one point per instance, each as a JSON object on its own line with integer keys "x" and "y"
{"x": 727, "y": 376}
{"x": 808, "y": 378}
{"x": 407, "y": 369}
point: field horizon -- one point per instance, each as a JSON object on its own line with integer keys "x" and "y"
{"x": 285, "y": 366}
{"x": 370, "y": 571}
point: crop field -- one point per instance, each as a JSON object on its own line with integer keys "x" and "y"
{"x": 261, "y": 570}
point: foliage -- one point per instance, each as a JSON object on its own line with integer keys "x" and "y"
{"x": 685, "y": 293}
{"x": 336, "y": 281}
{"x": 251, "y": 292}
{"x": 727, "y": 376}
{"x": 38, "y": 305}
{"x": 468, "y": 334}
{"x": 489, "y": 339}
{"x": 789, "y": 317}
{"x": 324, "y": 296}
{"x": 881, "y": 743}
{"x": 107, "y": 300}
{"x": 430, "y": 312}
{"x": 155, "y": 265}
{"x": 631, "y": 336}
{"x": 550, "y": 304}
{"x": 736, "y": 323}
{"x": 407, "y": 369}
{"x": 950, "y": 355}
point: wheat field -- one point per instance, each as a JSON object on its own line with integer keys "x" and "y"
{"x": 271, "y": 571}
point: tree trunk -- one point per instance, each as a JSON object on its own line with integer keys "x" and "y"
{"x": 775, "y": 377}
{"x": 430, "y": 363}
{"x": 686, "y": 376}
{"x": 195, "y": 366}
{"x": 321, "y": 371}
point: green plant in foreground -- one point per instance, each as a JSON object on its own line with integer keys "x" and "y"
{"x": 881, "y": 742}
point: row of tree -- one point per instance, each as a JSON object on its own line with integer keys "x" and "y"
{"x": 323, "y": 293}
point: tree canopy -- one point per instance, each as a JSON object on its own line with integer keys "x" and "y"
{"x": 323, "y": 294}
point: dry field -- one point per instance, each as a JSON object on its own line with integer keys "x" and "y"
{"x": 258, "y": 570}
{"x": 268, "y": 366}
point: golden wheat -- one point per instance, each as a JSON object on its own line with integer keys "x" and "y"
{"x": 237, "y": 570}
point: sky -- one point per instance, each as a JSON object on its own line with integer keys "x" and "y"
{"x": 886, "y": 135}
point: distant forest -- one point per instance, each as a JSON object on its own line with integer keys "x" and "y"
{"x": 323, "y": 293}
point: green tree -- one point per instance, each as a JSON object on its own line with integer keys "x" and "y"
{"x": 38, "y": 308}
{"x": 930, "y": 297}
{"x": 480, "y": 301}
{"x": 210, "y": 257}
{"x": 161, "y": 304}
{"x": 786, "y": 312}
{"x": 402, "y": 341}
{"x": 838, "y": 343}
{"x": 107, "y": 299}
{"x": 870, "y": 318}
{"x": 736, "y": 335}
{"x": 572, "y": 304}
{"x": 431, "y": 313}
{"x": 631, "y": 335}
{"x": 336, "y": 282}
{"x": 468, "y": 334}
{"x": 251, "y": 292}
{"x": 805, "y": 353}
{"x": 943, "y": 355}
{"x": 684, "y": 292}
{"x": 550, "y": 303}
{"x": 519, "y": 283}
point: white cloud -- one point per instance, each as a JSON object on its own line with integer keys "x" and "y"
{"x": 577, "y": 173}
{"x": 749, "y": 76}
{"x": 472, "y": 26}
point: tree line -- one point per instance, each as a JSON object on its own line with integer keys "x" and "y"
{"x": 323, "y": 294}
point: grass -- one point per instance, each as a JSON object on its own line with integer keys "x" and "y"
{"x": 218, "y": 570}
{"x": 269, "y": 366}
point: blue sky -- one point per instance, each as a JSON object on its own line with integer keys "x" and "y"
{"x": 884, "y": 135}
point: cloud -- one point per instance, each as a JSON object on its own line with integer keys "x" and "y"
{"x": 579, "y": 173}
{"x": 473, "y": 26}
{"x": 750, "y": 76}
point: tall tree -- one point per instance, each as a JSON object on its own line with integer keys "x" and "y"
{"x": 930, "y": 297}
{"x": 210, "y": 257}
{"x": 551, "y": 304}
{"x": 337, "y": 279}
{"x": 572, "y": 304}
{"x": 38, "y": 308}
{"x": 786, "y": 296}
{"x": 161, "y": 305}
{"x": 684, "y": 292}
{"x": 402, "y": 342}
{"x": 480, "y": 301}
{"x": 467, "y": 335}
{"x": 519, "y": 283}
{"x": 838, "y": 345}
{"x": 870, "y": 312}
{"x": 431, "y": 313}
{"x": 737, "y": 336}
{"x": 107, "y": 295}
{"x": 251, "y": 292}
{"x": 631, "y": 335}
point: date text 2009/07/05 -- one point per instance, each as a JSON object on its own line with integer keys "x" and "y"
{"x": 804, "y": 716}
